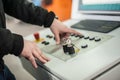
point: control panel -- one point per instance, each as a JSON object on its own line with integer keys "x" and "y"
{"x": 80, "y": 43}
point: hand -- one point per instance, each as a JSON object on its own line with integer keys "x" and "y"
{"x": 60, "y": 30}
{"x": 32, "y": 52}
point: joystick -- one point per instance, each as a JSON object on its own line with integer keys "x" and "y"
{"x": 68, "y": 47}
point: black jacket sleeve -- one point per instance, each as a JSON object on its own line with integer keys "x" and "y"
{"x": 28, "y": 12}
{"x": 10, "y": 43}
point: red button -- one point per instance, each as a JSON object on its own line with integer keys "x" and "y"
{"x": 37, "y": 36}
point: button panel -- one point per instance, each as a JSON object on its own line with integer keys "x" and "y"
{"x": 81, "y": 44}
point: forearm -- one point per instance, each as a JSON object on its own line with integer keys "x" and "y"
{"x": 10, "y": 43}
{"x": 27, "y": 12}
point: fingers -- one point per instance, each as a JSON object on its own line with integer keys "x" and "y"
{"x": 65, "y": 33}
{"x": 38, "y": 54}
{"x": 73, "y": 31}
{"x": 57, "y": 37}
{"x": 32, "y": 52}
{"x": 46, "y": 58}
{"x": 32, "y": 60}
{"x": 42, "y": 55}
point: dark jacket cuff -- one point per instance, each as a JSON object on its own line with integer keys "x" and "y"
{"x": 18, "y": 45}
{"x": 49, "y": 19}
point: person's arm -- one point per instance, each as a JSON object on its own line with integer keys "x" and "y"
{"x": 28, "y": 12}
{"x": 10, "y": 43}
{"x": 14, "y": 44}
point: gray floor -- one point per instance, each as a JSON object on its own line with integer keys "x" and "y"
{"x": 12, "y": 61}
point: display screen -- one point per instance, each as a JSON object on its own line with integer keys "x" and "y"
{"x": 101, "y": 6}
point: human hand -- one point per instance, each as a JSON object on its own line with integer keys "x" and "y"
{"x": 60, "y": 30}
{"x": 32, "y": 52}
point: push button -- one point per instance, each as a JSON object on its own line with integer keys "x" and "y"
{"x": 91, "y": 38}
{"x": 43, "y": 42}
{"x": 46, "y": 43}
{"x": 86, "y": 37}
{"x": 76, "y": 36}
{"x": 72, "y": 35}
{"x": 97, "y": 39}
{"x": 49, "y": 36}
{"x": 37, "y": 36}
{"x": 81, "y": 36}
{"x": 84, "y": 46}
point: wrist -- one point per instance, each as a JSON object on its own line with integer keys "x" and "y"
{"x": 49, "y": 19}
